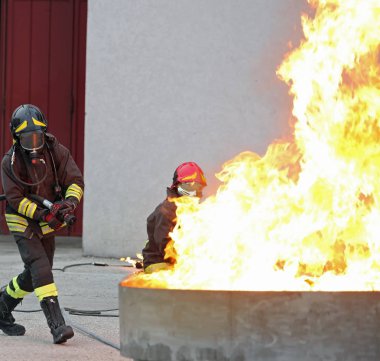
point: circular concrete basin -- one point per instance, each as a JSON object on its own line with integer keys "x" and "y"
{"x": 190, "y": 325}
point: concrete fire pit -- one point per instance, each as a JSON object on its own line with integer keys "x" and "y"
{"x": 187, "y": 325}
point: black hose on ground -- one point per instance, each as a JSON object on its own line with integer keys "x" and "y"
{"x": 75, "y": 312}
{"x": 96, "y": 313}
{"x": 138, "y": 265}
{"x": 89, "y": 333}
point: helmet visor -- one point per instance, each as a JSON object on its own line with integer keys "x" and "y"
{"x": 192, "y": 189}
{"x": 32, "y": 141}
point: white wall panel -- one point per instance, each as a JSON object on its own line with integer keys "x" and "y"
{"x": 170, "y": 81}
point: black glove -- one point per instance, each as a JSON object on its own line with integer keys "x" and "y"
{"x": 56, "y": 207}
{"x": 70, "y": 204}
{"x": 64, "y": 207}
{"x": 52, "y": 221}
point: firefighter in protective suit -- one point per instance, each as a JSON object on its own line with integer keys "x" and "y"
{"x": 36, "y": 164}
{"x": 188, "y": 180}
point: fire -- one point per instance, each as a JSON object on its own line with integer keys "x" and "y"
{"x": 306, "y": 216}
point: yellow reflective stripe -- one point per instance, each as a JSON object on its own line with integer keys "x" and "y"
{"x": 16, "y": 223}
{"x": 18, "y": 292}
{"x": 76, "y": 187}
{"x": 37, "y": 122}
{"x": 74, "y": 191}
{"x": 21, "y": 126}
{"x": 14, "y": 218}
{"x": 22, "y": 205}
{"x": 31, "y": 209}
{"x": 11, "y": 292}
{"x": 46, "y": 229}
{"x": 73, "y": 194}
{"x": 46, "y": 291}
{"x": 158, "y": 267}
{"x": 16, "y": 228}
{"x": 190, "y": 177}
{"x": 27, "y": 207}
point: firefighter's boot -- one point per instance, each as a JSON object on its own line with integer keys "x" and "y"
{"x": 61, "y": 333}
{"x": 7, "y": 322}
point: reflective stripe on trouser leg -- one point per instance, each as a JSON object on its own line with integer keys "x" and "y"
{"x": 14, "y": 290}
{"x": 46, "y": 291}
{"x": 158, "y": 267}
{"x": 24, "y": 280}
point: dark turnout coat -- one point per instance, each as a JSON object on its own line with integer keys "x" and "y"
{"x": 23, "y": 214}
{"x": 159, "y": 224}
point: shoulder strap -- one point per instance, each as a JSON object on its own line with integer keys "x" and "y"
{"x": 57, "y": 187}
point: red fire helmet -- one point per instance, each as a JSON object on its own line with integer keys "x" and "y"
{"x": 189, "y": 172}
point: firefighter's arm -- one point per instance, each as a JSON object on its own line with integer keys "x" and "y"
{"x": 165, "y": 222}
{"x": 70, "y": 177}
{"x": 15, "y": 195}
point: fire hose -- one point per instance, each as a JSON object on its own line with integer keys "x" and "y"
{"x": 68, "y": 218}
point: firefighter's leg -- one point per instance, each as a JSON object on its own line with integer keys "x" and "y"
{"x": 37, "y": 255}
{"x": 10, "y": 297}
{"x": 60, "y": 331}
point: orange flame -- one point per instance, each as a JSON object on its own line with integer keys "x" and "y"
{"x": 305, "y": 216}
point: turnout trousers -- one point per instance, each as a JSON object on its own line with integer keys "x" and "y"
{"x": 37, "y": 254}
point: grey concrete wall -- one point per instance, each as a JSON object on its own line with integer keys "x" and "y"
{"x": 170, "y": 81}
{"x": 177, "y": 325}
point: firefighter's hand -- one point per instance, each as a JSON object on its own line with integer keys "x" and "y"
{"x": 69, "y": 205}
{"x": 52, "y": 221}
{"x": 55, "y": 208}
{"x": 62, "y": 208}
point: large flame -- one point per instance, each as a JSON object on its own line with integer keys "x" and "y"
{"x": 306, "y": 216}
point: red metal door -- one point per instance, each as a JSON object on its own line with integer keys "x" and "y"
{"x": 43, "y": 50}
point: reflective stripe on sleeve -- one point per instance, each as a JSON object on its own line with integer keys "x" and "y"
{"x": 31, "y": 209}
{"x": 74, "y": 191}
{"x": 27, "y": 207}
{"x": 22, "y": 205}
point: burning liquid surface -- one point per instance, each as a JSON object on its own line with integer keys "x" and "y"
{"x": 306, "y": 216}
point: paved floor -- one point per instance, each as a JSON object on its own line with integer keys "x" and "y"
{"x": 84, "y": 287}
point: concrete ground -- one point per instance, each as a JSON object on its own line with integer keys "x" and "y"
{"x": 85, "y": 287}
